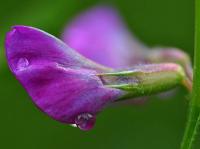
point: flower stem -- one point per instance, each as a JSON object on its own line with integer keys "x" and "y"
{"x": 193, "y": 123}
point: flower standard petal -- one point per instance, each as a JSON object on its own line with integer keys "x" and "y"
{"x": 99, "y": 34}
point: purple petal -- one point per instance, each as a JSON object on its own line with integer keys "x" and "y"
{"x": 100, "y": 35}
{"x": 39, "y": 47}
{"x": 61, "y": 83}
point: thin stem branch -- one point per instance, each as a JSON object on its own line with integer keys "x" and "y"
{"x": 194, "y": 114}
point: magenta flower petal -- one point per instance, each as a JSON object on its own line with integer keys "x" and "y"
{"x": 100, "y": 35}
{"x": 39, "y": 46}
{"x": 62, "y": 83}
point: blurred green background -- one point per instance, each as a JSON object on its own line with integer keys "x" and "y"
{"x": 158, "y": 124}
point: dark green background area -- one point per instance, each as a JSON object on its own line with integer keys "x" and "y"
{"x": 158, "y": 124}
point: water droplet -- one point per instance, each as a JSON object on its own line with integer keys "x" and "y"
{"x": 73, "y": 125}
{"x": 22, "y": 64}
{"x": 85, "y": 121}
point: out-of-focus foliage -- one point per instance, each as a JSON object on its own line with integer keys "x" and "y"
{"x": 157, "y": 124}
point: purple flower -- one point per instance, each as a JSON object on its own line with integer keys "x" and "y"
{"x": 73, "y": 89}
{"x": 100, "y": 35}
{"x": 61, "y": 82}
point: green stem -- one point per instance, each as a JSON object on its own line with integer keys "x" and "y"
{"x": 193, "y": 123}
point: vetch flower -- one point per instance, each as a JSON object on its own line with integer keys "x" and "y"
{"x": 61, "y": 82}
{"x": 73, "y": 89}
{"x": 100, "y": 34}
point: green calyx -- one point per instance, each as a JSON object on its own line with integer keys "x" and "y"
{"x": 146, "y": 79}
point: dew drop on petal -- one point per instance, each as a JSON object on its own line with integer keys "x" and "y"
{"x": 85, "y": 121}
{"x": 22, "y": 64}
{"x": 73, "y": 125}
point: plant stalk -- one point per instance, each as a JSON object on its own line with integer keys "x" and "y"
{"x": 193, "y": 123}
